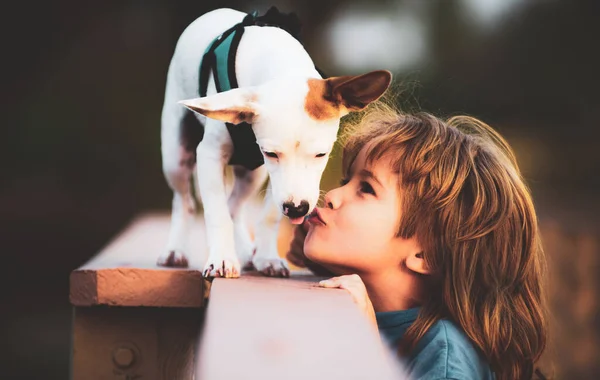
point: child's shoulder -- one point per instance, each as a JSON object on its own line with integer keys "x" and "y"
{"x": 445, "y": 352}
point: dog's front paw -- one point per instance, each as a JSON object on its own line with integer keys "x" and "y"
{"x": 272, "y": 267}
{"x": 173, "y": 258}
{"x": 228, "y": 268}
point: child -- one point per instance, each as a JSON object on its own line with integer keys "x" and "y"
{"x": 434, "y": 234}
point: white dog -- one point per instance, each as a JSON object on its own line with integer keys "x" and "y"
{"x": 294, "y": 116}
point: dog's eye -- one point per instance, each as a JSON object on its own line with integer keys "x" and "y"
{"x": 321, "y": 155}
{"x": 271, "y": 154}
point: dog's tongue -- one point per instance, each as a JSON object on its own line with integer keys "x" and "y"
{"x": 296, "y": 220}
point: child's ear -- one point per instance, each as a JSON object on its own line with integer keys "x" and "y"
{"x": 416, "y": 263}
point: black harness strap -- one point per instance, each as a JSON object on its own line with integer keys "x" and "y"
{"x": 246, "y": 151}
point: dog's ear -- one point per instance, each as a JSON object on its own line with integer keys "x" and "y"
{"x": 356, "y": 92}
{"x": 233, "y": 106}
{"x": 337, "y": 96}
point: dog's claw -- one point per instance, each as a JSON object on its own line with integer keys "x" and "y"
{"x": 207, "y": 270}
{"x": 226, "y": 268}
{"x": 248, "y": 266}
{"x": 272, "y": 267}
{"x": 174, "y": 259}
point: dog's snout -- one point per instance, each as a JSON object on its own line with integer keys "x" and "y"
{"x": 302, "y": 209}
{"x": 292, "y": 211}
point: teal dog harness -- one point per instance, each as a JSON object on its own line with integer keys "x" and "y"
{"x": 219, "y": 58}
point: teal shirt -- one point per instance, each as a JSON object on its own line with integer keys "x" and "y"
{"x": 444, "y": 352}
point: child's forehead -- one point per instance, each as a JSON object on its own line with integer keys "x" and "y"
{"x": 364, "y": 161}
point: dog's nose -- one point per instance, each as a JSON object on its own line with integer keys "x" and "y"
{"x": 295, "y": 211}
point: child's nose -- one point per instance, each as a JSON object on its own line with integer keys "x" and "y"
{"x": 333, "y": 199}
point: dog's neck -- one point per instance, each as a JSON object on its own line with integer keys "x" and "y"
{"x": 277, "y": 55}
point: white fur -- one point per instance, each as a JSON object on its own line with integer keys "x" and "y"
{"x": 273, "y": 68}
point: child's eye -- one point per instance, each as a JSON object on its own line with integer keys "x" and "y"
{"x": 344, "y": 181}
{"x": 365, "y": 187}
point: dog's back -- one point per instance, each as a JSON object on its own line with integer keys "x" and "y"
{"x": 181, "y": 129}
{"x": 182, "y": 79}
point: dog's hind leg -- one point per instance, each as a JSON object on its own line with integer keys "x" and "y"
{"x": 182, "y": 215}
{"x": 181, "y": 131}
{"x": 246, "y": 186}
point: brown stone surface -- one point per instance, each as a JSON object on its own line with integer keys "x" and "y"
{"x": 267, "y": 328}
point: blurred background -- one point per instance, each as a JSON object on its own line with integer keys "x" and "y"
{"x": 82, "y": 97}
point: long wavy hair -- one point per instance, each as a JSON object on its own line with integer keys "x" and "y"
{"x": 465, "y": 201}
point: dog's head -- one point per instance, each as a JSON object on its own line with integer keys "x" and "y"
{"x": 295, "y": 121}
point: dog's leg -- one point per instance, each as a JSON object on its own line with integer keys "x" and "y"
{"x": 266, "y": 259}
{"x": 247, "y": 184}
{"x": 212, "y": 155}
{"x": 182, "y": 216}
{"x": 181, "y": 132}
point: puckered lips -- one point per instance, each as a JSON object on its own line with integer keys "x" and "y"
{"x": 315, "y": 218}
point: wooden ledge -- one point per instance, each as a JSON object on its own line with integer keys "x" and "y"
{"x": 254, "y": 327}
{"x": 125, "y": 272}
{"x": 268, "y": 328}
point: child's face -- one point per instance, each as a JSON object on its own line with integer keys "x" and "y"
{"x": 361, "y": 220}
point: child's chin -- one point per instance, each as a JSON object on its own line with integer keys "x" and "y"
{"x": 309, "y": 249}
{"x": 313, "y": 252}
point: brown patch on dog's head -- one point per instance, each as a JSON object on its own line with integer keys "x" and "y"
{"x": 334, "y": 97}
{"x": 316, "y": 105}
